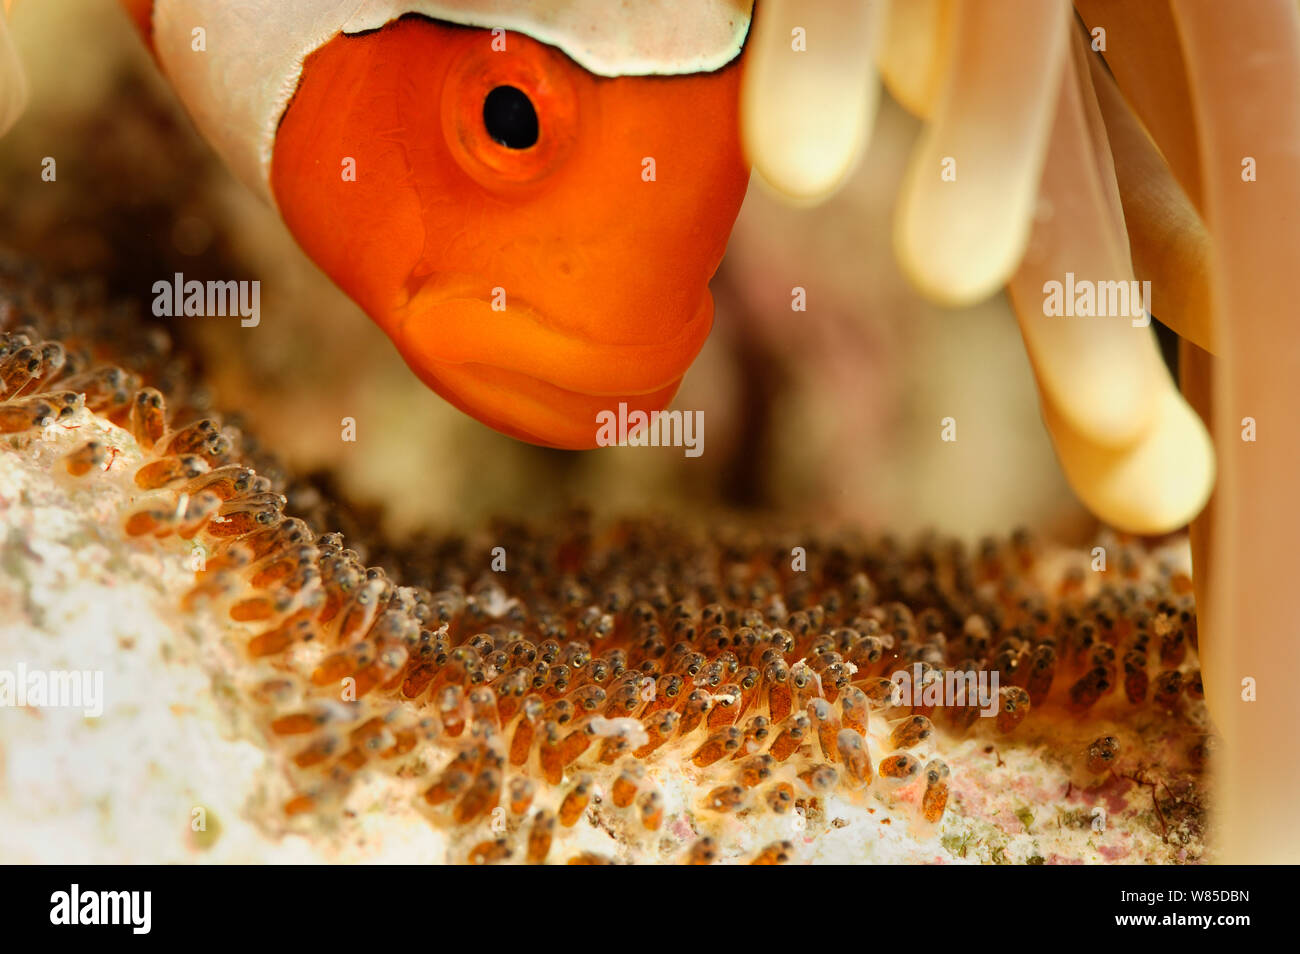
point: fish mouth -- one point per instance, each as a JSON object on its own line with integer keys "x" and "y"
{"x": 517, "y": 372}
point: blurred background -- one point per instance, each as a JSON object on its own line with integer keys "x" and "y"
{"x": 833, "y": 414}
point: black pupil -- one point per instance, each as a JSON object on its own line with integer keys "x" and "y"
{"x": 509, "y": 117}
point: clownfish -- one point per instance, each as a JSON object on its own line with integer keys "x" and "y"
{"x": 529, "y": 198}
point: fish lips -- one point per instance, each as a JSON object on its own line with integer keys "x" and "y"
{"x": 512, "y": 369}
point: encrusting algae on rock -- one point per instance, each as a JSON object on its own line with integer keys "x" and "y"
{"x": 572, "y": 690}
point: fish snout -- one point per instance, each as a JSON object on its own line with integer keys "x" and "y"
{"x": 505, "y": 363}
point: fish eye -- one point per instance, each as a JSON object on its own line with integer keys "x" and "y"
{"x": 509, "y": 117}
{"x": 491, "y": 112}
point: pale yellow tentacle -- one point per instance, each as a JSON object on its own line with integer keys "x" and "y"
{"x": 1143, "y": 51}
{"x": 1170, "y": 246}
{"x": 1147, "y": 487}
{"x": 810, "y": 92}
{"x": 1243, "y": 63}
{"x": 1101, "y": 374}
{"x": 13, "y": 82}
{"x": 1130, "y": 446}
{"x": 959, "y": 237}
{"x": 914, "y": 51}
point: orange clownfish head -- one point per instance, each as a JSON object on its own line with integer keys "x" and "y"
{"x": 532, "y": 212}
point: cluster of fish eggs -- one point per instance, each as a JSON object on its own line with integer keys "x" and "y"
{"x": 540, "y": 673}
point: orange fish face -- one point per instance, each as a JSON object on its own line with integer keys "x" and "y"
{"x": 536, "y": 240}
